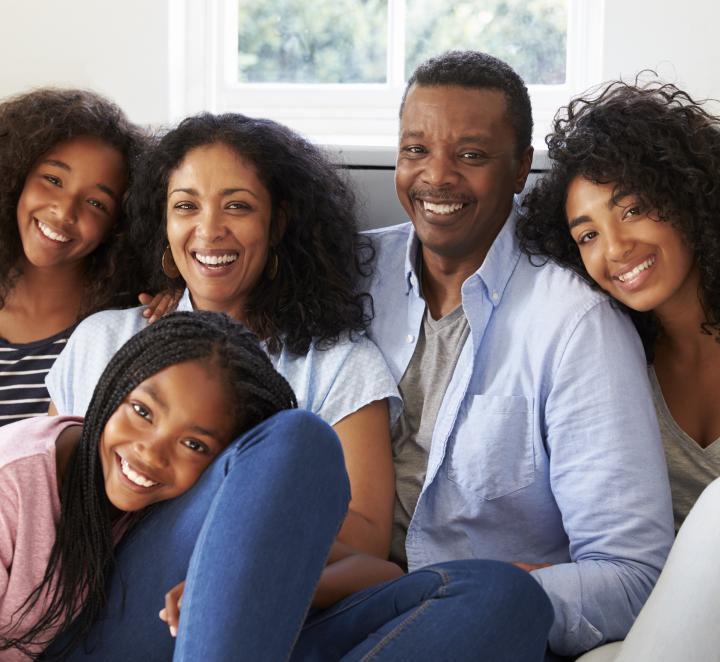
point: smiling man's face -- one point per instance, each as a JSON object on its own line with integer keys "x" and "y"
{"x": 458, "y": 168}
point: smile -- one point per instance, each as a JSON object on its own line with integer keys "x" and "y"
{"x": 216, "y": 260}
{"x": 135, "y": 477}
{"x": 438, "y": 208}
{"x": 634, "y": 273}
{"x": 48, "y": 232}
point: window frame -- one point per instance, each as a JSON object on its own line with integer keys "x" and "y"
{"x": 203, "y": 42}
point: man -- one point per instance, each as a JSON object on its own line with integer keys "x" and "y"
{"x": 528, "y": 433}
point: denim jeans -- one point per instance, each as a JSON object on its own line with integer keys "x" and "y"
{"x": 251, "y": 537}
{"x": 458, "y": 610}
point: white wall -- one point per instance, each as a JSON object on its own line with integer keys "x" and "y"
{"x": 116, "y": 47}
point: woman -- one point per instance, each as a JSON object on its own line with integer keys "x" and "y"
{"x": 252, "y": 220}
{"x": 66, "y": 159}
{"x": 632, "y": 204}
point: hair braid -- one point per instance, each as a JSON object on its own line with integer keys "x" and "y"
{"x": 82, "y": 554}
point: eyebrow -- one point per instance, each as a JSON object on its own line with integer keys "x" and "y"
{"x": 159, "y": 400}
{"x": 64, "y": 166}
{"x": 410, "y": 134}
{"x": 579, "y": 220}
{"x": 225, "y": 191}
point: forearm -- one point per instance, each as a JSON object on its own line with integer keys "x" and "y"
{"x": 365, "y": 535}
{"x": 346, "y": 575}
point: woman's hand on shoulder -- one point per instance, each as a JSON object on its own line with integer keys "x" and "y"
{"x": 159, "y": 305}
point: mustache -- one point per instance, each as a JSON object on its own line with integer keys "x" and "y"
{"x": 439, "y": 196}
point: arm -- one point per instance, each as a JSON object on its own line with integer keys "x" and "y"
{"x": 365, "y": 439}
{"x": 349, "y": 571}
{"x": 608, "y": 476}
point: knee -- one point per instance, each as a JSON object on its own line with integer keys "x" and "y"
{"x": 511, "y": 593}
{"x": 301, "y": 449}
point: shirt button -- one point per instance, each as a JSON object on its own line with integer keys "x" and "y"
{"x": 495, "y": 296}
{"x": 410, "y": 338}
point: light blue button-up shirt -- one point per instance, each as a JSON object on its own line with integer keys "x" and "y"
{"x": 546, "y": 447}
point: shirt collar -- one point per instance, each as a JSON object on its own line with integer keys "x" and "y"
{"x": 494, "y": 272}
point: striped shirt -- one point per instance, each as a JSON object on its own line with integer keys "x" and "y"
{"x": 22, "y": 376}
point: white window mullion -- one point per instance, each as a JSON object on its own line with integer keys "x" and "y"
{"x": 396, "y": 44}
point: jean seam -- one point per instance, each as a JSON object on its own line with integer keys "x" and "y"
{"x": 391, "y": 636}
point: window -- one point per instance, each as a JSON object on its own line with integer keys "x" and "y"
{"x": 335, "y": 69}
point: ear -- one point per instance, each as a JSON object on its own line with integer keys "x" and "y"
{"x": 279, "y": 224}
{"x": 524, "y": 163}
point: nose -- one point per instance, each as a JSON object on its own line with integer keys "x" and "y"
{"x": 64, "y": 206}
{"x": 153, "y": 452}
{"x": 618, "y": 245}
{"x": 439, "y": 169}
{"x": 210, "y": 226}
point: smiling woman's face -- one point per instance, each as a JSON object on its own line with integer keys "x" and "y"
{"x": 641, "y": 261}
{"x": 164, "y": 434}
{"x": 218, "y": 225}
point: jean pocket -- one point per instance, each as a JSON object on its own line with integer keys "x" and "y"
{"x": 491, "y": 453}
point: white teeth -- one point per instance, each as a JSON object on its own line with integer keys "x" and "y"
{"x": 134, "y": 476}
{"x": 634, "y": 273}
{"x": 51, "y": 234}
{"x": 442, "y": 209}
{"x": 216, "y": 259}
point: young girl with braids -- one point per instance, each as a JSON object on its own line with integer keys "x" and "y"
{"x": 65, "y": 158}
{"x": 167, "y": 405}
{"x": 632, "y": 204}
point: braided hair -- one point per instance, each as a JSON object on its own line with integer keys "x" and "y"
{"x": 82, "y": 555}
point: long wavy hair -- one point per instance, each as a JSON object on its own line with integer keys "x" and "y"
{"x": 315, "y": 296}
{"x": 30, "y": 125}
{"x": 82, "y": 555}
{"x": 650, "y": 140}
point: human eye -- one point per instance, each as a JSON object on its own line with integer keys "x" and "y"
{"x": 585, "y": 237}
{"x": 242, "y": 206}
{"x": 184, "y": 206}
{"x": 473, "y": 155}
{"x": 413, "y": 150}
{"x": 141, "y": 410}
{"x": 632, "y": 210}
{"x": 55, "y": 181}
{"x": 196, "y": 446}
{"x": 98, "y": 204}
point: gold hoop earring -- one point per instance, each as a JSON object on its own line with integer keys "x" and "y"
{"x": 168, "y": 264}
{"x": 272, "y": 266}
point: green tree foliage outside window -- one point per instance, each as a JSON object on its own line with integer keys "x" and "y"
{"x": 345, "y": 41}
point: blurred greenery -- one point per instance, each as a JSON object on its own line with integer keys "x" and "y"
{"x": 345, "y": 41}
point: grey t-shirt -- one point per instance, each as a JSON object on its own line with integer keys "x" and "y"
{"x": 691, "y": 468}
{"x": 422, "y": 388}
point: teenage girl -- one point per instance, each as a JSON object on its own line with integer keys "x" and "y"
{"x": 168, "y": 404}
{"x": 65, "y": 161}
{"x": 632, "y": 204}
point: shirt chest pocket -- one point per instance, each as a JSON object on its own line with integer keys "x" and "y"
{"x": 491, "y": 453}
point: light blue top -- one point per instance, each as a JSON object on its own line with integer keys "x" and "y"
{"x": 546, "y": 447}
{"x": 331, "y": 383}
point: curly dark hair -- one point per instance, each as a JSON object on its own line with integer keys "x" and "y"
{"x": 480, "y": 71}
{"x": 315, "y": 296}
{"x": 30, "y": 125}
{"x": 652, "y": 141}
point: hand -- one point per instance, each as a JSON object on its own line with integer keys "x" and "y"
{"x": 161, "y": 304}
{"x": 171, "y": 612}
{"x": 529, "y": 567}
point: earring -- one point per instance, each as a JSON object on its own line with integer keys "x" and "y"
{"x": 272, "y": 266}
{"x": 168, "y": 264}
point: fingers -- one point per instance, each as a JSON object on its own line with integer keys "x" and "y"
{"x": 171, "y": 612}
{"x": 159, "y": 305}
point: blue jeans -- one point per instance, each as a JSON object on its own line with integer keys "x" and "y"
{"x": 251, "y": 538}
{"x": 458, "y": 610}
